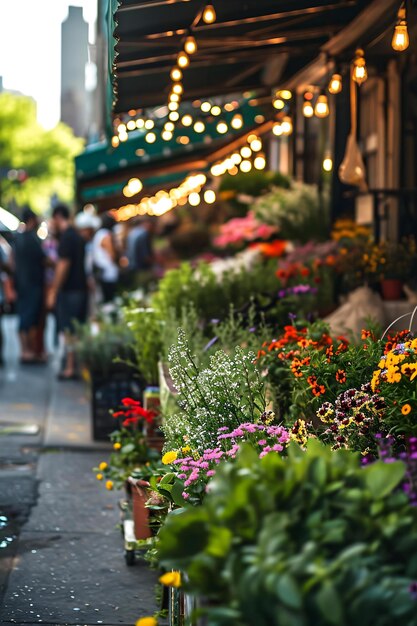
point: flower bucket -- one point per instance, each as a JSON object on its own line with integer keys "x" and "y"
{"x": 391, "y": 288}
{"x": 140, "y": 512}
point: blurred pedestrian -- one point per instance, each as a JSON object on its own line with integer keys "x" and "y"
{"x": 69, "y": 292}
{"x": 29, "y": 273}
{"x": 5, "y": 254}
{"x": 105, "y": 259}
{"x": 139, "y": 251}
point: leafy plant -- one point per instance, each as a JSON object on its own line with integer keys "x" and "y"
{"x": 310, "y": 540}
{"x": 145, "y": 327}
{"x": 101, "y": 345}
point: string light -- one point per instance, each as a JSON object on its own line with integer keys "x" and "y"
{"x": 246, "y": 152}
{"x": 174, "y": 116}
{"x": 169, "y": 126}
{"x": 176, "y": 74}
{"x": 286, "y": 126}
{"x": 284, "y": 93}
{"x": 166, "y": 135}
{"x": 222, "y": 128}
{"x": 190, "y": 45}
{"x": 150, "y": 137}
{"x": 277, "y": 129}
{"x": 135, "y": 185}
{"x": 236, "y": 158}
{"x": 260, "y": 162}
{"x": 322, "y": 106}
{"x": 335, "y": 84}
{"x": 123, "y": 137}
{"x": 187, "y": 120}
{"x": 209, "y": 14}
{"x": 327, "y": 164}
{"x": 256, "y": 145}
{"x": 194, "y": 198}
{"x": 237, "y": 122}
{"x": 278, "y": 103}
{"x": 173, "y": 106}
{"x": 149, "y": 124}
{"x": 209, "y": 196}
{"x": 131, "y": 125}
{"x": 215, "y": 110}
{"x": 199, "y": 127}
{"x": 182, "y": 59}
{"x": 121, "y": 129}
{"x": 308, "y": 110}
{"x": 359, "y": 70}
{"x": 205, "y": 107}
{"x": 174, "y": 97}
{"x": 400, "y": 38}
{"x": 177, "y": 88}
{"x": 140, "y": 123}
{"x": 115, "y": 141}
{"x": 245, "y": 166}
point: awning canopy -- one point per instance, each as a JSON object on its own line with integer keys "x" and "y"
{"x": 253, "y": 45}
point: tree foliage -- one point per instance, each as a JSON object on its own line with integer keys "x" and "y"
{"x": 46, "y": 156}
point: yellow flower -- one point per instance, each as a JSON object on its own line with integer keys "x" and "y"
{"x": 393, "y": 375}
{"x": 406, "y": 409}
{"x": 117, "y": 445}
{"x": 186, "y": 449}
{"x": 103, "y": 466}
{"x": 146, "y": 621}
{"x": 99, "y": 476}
{"x": 109, "y": 485}
{"x": 171, "y": 579}
{"x": 169, "y": 457}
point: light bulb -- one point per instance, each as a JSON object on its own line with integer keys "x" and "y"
{"x": 123, "y": 137}
{"x": 149, "y": 124}
{"x": 237, "y": 122}
{"x": 256, "y": 145}
{"x": 187, "y": 120}
{"x": 209, "y": 14}
{"x": 199, "y": 127}
{"x": 327, "y": 164}
{"x": 278, "y": 104}
{"x": 277, "y": 129}
{"x": 260, "y": 162}
{"x": 173, "y": 106}
{"x": 177, "y": 88}
{"x": 140, "y": 123}
{"x": 222, "y": 128}
{"x": 194, "y": 198}
{"x": 190, "y": 45}
{"x": 335, "y": 84}
{"x": 359, "y": 71}
{"x": 308, "y": 110}
{"x": 322, "y": 106}
{"x": 245, "y": 166}
{"x": 131, "y": 125}
{"x": 174, "y": 97}
{"x": 115, "y": 141}
{"x": 166, "y": 135}
{"x": 400, "y": 39}
{"x": 246, "y": 152}
{"x": 209, "y": 196}
{"x": 174, "y": 116}
{"x": 286, "y": 126}
{"x": 216, "y": 110}
{"x": 236, "y": 158}
{"x": 205, "y": 107}
{"x": 176, "y": 74}
{"x": 134, "y": 185}
{"x": 121, "y": 128}
{"x": 150, "y": 137}
{"x": 183, "y": 60}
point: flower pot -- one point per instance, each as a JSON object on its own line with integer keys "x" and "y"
{"x": 140, "y": 512}
{"x": 391, "y": 288}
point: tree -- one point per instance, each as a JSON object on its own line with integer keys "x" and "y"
{"x": 34, "y": 163}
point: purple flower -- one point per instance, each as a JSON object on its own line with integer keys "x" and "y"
{"x": 210, "y": 344}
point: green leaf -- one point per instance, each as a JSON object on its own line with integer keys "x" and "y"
{"x": 328, "y": 601}
{"x": 128, "y": 448}
{"x": 288, "y": 592}
{"x": 382, "y": 478}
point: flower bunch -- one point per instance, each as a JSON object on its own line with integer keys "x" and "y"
{"x": 133, "y": 412}
{"x": 240, "y": 230}
{"x": 196, "y": 470}
{"x": 390, "y": 260}
{"x": 348, "y": 229}
{"x": 353, "y": 420}
{"x": 395, "y": 380}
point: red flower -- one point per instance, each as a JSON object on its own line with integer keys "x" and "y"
{"x": 119, "y": 414}
{"x": 304, "y": 271}
{"x": 281, "y": 274}
{"x": 130, "y": 420}
{"x": 130, "y": 402}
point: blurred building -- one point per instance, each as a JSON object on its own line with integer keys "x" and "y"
{"x": 74, "y": 58}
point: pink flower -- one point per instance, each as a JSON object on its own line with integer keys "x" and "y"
{"x": 262, "y": 442}
{"x": 210, "y": 473}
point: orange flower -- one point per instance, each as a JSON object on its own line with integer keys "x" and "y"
{"x": 318, "y": 390}
{"x": 341, "y": 376}
{"x": 312, "y": 380}
{"x": 304, "y": 271}
{"x": 281, "y": 274}
{"x": 406, "y": 409}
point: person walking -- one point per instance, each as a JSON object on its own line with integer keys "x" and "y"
{"x": 105, "y": 259}
{"x": 139, "y": 252}
{"x": 28, "y": 261}
{"x": 69, "y": 291}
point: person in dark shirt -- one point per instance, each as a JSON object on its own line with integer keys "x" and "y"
{"x": 29, "y": 271}
{"x": 69, "y": 292}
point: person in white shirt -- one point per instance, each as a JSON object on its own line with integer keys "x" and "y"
{"x": 105, "y": 259}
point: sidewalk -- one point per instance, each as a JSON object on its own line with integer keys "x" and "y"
{"x": 64, "y": 563}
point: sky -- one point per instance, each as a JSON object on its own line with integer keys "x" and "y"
{"x": 30, "y": 49}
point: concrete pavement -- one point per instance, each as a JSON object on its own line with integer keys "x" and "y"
{"x": 61, "y": 554}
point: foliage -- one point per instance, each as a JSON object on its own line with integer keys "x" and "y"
{"x": 309, "y": 540}
{"x": 242, "y": 188}
{"x": 298, "y": 212}
{"x": 47, "y": 156}
{"x": 100, "y": 346}
{"x": 390, "y": 260}
{"x": 228, "y": 392}
{"x": 145, "y": 327}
